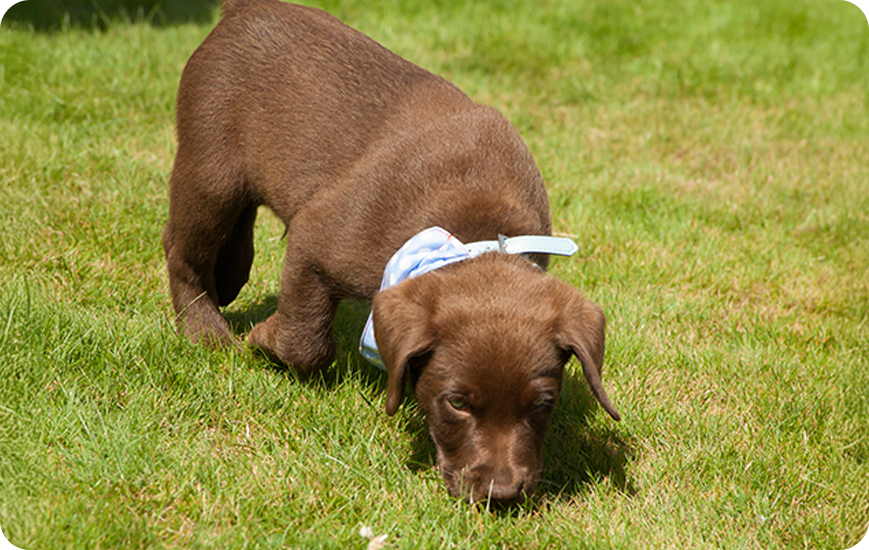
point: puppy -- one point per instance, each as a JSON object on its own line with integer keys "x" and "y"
{"x": 357, "y": 151}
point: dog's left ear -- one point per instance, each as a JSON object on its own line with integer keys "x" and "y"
{"x": 582, "y": 331}
{"x": 402, "y": 329}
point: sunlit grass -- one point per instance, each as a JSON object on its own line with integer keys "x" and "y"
{"x": 709, "y": 158}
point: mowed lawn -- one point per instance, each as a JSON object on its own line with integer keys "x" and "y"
{"x": 710, "y": 158}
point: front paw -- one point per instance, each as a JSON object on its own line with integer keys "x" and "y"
{"x": 262, "y": 340}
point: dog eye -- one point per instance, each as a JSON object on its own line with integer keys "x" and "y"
{"x": 541, "y": 402}
{"x": 458, "y": 403}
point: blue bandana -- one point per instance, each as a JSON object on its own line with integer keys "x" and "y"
{"x": 434, "y": 248}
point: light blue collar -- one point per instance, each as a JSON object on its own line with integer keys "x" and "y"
{"x": 434, "y": 248}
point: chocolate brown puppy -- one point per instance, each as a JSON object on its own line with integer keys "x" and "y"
{"x": 357, "y": 151}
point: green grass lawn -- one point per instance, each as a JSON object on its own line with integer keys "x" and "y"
{"x": 711, "y": 159}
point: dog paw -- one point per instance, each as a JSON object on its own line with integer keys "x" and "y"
{"x": 262, "y": 340}
{"x": 291, "y": 346}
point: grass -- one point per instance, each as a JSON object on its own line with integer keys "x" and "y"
{"x": 709, "y": 157}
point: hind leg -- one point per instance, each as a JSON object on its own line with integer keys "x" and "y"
{"x": 202, "y": 228}
{"x": 232, "y": 267}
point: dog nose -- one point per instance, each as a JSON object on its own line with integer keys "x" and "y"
{"x": 499, "y": 486}
{"x": 501, "y": 494}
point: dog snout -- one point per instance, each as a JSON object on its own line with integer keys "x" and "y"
{"x": 503, "y": 486}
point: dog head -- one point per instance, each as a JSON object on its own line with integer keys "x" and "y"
{"x": 484, "y": 342}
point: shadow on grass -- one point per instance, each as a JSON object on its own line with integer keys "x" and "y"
{"x": 579, "y": 452}
{"x": 349, "y": 322}
{"x": 241, "y": 320}
{"x": 53, "y": 15}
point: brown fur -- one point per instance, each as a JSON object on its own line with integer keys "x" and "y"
{"x": 357, "y": 150}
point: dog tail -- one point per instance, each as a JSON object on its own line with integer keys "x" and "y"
{"x": 232, "y": 5}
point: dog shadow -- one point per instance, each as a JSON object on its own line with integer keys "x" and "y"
{"x": 349, "y": 322}
{"x": 581, "y": 450}
{"x": 242, "y": 319}
{"x": 53, "y": 15}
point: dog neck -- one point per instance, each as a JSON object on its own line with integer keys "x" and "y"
{"x": 434, "y": 248}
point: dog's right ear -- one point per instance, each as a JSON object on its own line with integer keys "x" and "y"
{"x": 402, "y": 328}
{"x": 582, "y": 332}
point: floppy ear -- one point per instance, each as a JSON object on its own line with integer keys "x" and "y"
{"x": 581, "y": 331}
{"x": 403, "y": 333}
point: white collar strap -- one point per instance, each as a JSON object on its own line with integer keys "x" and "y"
{"x": 526, "y": 244}
{"x": 434, "y": 248}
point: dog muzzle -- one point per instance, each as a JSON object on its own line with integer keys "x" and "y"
{"x": 434, "y": 248}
